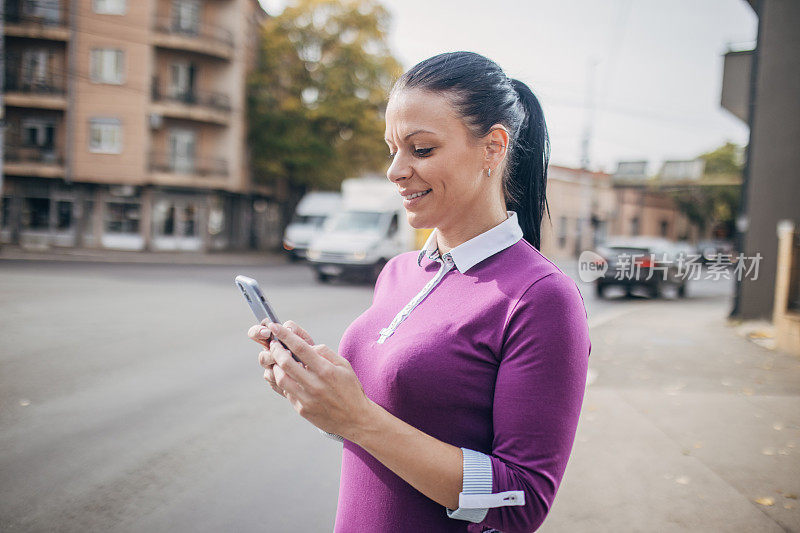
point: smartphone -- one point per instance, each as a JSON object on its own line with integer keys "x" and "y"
{"x": 258, "y": 303}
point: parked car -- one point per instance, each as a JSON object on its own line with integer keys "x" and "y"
{"x": 709, "y": 250}
{"x": 309, "y": 217}
{"x": 371, "y": 228}
{"x": 651, "y": 263}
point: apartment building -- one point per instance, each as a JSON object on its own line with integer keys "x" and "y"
{"x": 126, "y": 127}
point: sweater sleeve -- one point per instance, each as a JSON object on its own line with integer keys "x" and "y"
{"x": 538, "y": 395}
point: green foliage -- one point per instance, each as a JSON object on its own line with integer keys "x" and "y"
{"x": 317, "y": 99}
{"x": 725, "y": 160}
{"x": 714, "y": 201}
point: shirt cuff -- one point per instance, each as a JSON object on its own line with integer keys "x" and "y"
{"x": 476, "y": 496}
{"x": 333, "y": 436}
{"x": 477, "y": 480}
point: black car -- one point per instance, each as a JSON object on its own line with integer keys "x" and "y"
{"x": 648, "y": 262}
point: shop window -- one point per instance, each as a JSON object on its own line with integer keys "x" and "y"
{"x": 6, "y": 212}
{"x": 63, "y": 214}
{"x": 189, "y": 223}
{"x": 123, "y": 217}
{"x": 36, "y": 213}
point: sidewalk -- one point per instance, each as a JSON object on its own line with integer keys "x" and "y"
{"x": 686, "y": 426}
{"x": 261, "y": 258}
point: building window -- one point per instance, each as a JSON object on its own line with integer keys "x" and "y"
{"x": 36, "y": 213}
{"x": 182, "y": 144}
{"x": 562, "y": 232}
{"x": 122, "y": 217}
{"x": 186, "y": 16}
{"x": 105, "y": 136}
{"x": 107, "y": 65}
{"x": 110, "y": 7}
{"x": 181, "y": 81}
{"x": 35, "y": 67}
{"x": 48, "y": 10}
{"x": 635, "y": 226}
{"x": 38, "y": 133}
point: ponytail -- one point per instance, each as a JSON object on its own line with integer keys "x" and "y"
{"x": 526, "y": 183}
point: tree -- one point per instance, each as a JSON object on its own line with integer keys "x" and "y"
{"x": 714, "y": 201}
{"x": 317, "y": 97}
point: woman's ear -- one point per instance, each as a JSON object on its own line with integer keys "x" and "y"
{"x": 496, "y": 146}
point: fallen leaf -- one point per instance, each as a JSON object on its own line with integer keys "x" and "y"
{"x": 767, "y": 501}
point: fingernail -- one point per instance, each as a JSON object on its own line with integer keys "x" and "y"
{"x": 273, "y": 327}
{"x": 265, "y": 332}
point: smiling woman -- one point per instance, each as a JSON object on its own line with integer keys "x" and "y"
{"x": 457, "y": 393}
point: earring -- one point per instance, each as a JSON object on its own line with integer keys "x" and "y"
{"x": 488, "y": 172}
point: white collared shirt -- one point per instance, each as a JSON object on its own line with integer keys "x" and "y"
{"x": 462, "y": 257}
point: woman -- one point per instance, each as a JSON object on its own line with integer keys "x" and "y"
{"x": 457, "y": 393}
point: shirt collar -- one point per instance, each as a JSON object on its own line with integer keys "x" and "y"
{"x": 470, "y": 253}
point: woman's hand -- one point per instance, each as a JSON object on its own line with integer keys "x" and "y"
{"x": 322, "y": 387}
{"x": 263, "y": 336}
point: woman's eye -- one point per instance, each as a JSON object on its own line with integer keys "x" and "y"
{"x": 419, "y": 152}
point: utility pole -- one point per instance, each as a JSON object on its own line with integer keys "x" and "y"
{"x": 589, "y": 117}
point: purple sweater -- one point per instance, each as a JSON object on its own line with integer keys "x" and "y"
{"x": 493, "y": 360}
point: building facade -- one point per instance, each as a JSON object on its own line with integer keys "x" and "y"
{"x": 761, "y": 87}
{"x": 126, "y": 125}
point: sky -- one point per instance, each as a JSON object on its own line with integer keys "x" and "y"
{"x": 643, "y": 76}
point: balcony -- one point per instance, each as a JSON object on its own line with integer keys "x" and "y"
{"x": 206, "y": 39}
{"x": 40, "y": 23}
{"x": 35, "y": 161}
{"x": 48, "y": 92}
{"x": 201, "y": 106}
{"x": 167, "y": 169}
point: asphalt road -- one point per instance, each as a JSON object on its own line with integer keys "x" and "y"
{"x": 131, "y": 398}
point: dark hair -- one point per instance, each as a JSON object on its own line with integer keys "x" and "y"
{"x": 484, "y": 96}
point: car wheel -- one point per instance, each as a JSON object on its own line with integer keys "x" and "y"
{"x": 655, "y": 291}
{"x": 600, "y": 290}
{"x": 628, "y": 292}
{"x": 323, "y": 277}
{"x": 682, "y": 290}
{"x": 376, "y": 270}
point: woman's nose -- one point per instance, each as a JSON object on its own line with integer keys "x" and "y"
{"x": 398, "y": 170}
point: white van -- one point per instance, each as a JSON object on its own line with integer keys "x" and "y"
{"x": 311, "y": 213}
{"x": 370, "y": 229}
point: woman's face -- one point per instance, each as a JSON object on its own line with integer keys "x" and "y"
{"x": 433, "y": 149}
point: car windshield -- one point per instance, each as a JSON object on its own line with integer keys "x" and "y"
{"x": 356, "y": 221}
{"x": 310, "y": 220}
